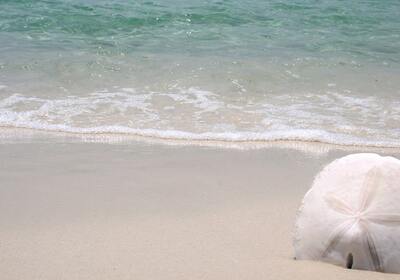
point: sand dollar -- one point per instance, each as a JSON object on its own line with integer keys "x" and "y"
{"x": 351, "y": 214}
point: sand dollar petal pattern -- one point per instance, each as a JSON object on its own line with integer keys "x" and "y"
{"x": 351, "y": 215}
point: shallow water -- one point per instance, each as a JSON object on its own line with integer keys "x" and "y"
{"x": 211, "y": 70}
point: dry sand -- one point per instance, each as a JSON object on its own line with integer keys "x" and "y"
{"x": 150, "y": 211}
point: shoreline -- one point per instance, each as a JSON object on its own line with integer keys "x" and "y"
{"x": 28, "y": 135}
{"x": 176, "y": 140}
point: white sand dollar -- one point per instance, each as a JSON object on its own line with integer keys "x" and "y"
{"x": 351, "y": 214}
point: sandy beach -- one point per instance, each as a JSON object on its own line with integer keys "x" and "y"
{"x": 175, "y": 140}
{"x": 152, "y": 211}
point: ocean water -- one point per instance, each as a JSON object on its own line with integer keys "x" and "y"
{"x": 226, "y": 70}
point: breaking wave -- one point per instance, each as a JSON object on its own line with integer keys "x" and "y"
{"x": 198, "y": 115}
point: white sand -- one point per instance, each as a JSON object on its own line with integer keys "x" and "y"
{"x": 140, "y": 211}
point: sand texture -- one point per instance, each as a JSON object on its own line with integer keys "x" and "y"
{"x": 149, "y": 211}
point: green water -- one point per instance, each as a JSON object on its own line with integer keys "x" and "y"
{"x": 360, "y": 29}
{"x": 229, "y": 70}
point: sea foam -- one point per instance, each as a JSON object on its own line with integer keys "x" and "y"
{"x": 200, "y": 115}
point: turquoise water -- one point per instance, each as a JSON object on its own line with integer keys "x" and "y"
{"x": 359, "y": 29}
{"x": 208, "y": 70}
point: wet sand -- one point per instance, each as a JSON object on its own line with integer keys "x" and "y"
{"x": 151, "y": 211}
